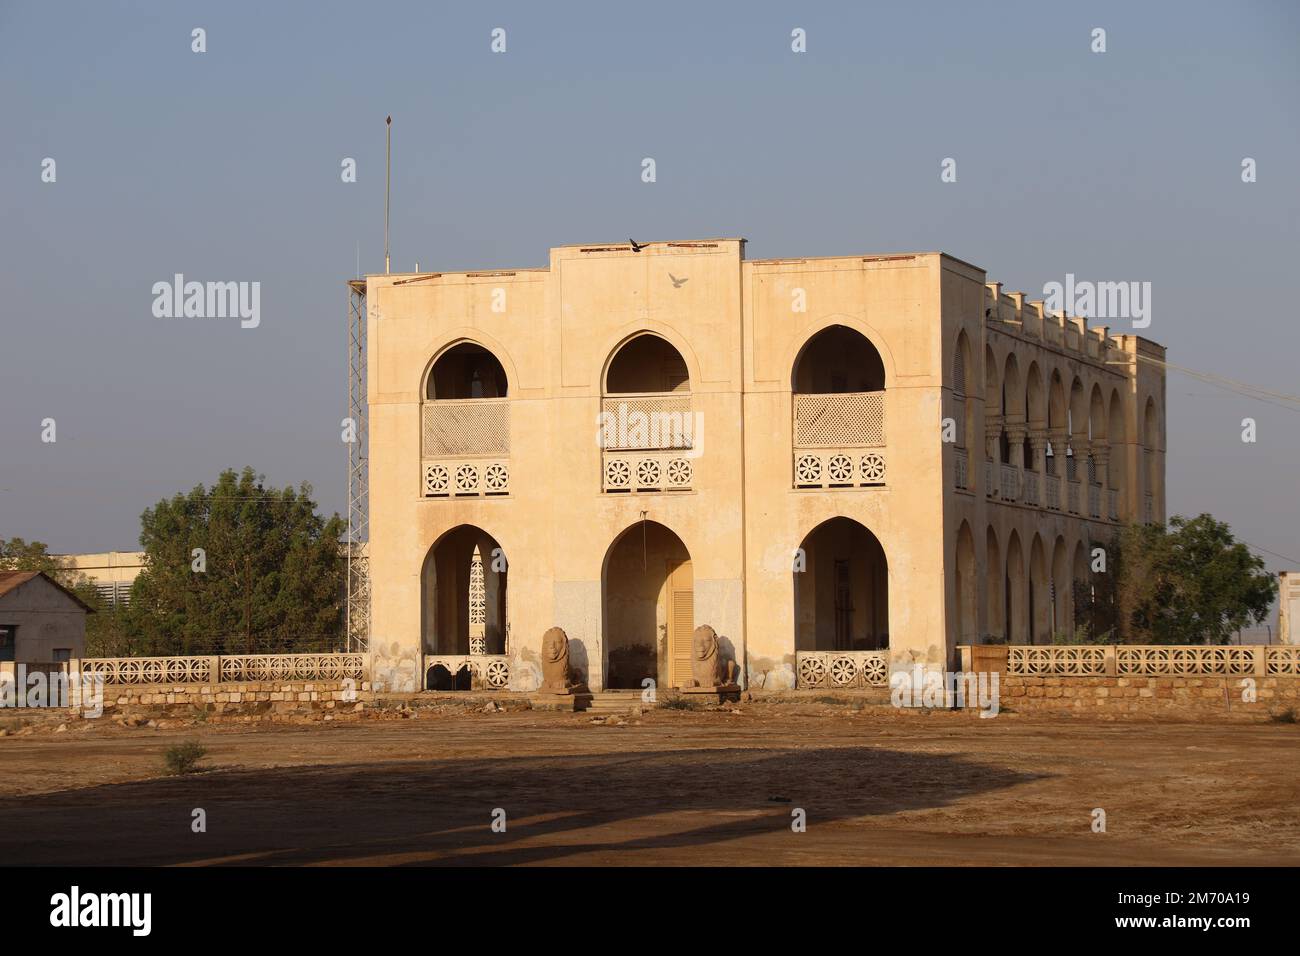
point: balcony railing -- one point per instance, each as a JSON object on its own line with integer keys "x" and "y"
{"x": 1112, "y": 503}
{"x": 1032, "y": 496}
{"x": 631, "y": 471}
{"x": 1010, "y": 484}
{"x": 962, "y": 477}
{"x": 839, "y": 440}
{"x": 1053, "y": 493}
{"x": 465, "y": 447}
{"x": 1072, "y": 497}
{"x": 1094, "y": 501}
{"x": 1148, "y": 509}
{"x": 990, "y": 486}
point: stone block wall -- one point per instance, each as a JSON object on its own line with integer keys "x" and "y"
{"x": 1219, "y": 697}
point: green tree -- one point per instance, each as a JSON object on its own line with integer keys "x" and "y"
{"x": 19, "y": 555}
{"x": 272, "y": 577}
{"x": 1191, "y": 582}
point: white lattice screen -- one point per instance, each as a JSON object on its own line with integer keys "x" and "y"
{"x": 468, "y": 427}
{"x": 846, "y": 419}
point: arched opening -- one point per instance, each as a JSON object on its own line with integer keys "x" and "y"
{"x": 646, "y": 419}
{"x": 648, "y": 594}
{"x": 1080, "y": 589}
{"x": 463, "y": 608}
{"x": 838, "y": 385}
{"x": 994, "y": 584}
{"x": 1039, "y": 601}
{"x": 467, "y": 370}
{"x": 963, "y": 391}
{"x": 1060, "y": 590}
{"x": 647, "y": 364}
{"x": 465, "y": 425}
{"x": 967, "y": 600}
{"x": 1117, "y": 465}
{"x": 838, "y": 360}
{"x": 1015, "y": 593}
{"x": 841, "y": 595}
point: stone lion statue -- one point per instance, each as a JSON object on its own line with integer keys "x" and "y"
{"x": 706, "y": 664}
{"x": 556, "y": 675}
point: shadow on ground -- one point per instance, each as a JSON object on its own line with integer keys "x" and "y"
{"x": 439, "y": 811}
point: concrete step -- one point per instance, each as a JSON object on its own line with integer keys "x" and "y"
{"x": 616, "y": 702}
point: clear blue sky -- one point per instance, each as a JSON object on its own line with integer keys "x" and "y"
{"x": 225, "y": 165}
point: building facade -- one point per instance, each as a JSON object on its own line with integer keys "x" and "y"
{"x": 111, "y": 572}
{"x": 41, "y": 621}
{"x": 843, "y": 465}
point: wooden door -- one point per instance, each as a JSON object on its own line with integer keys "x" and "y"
{"x": 681, "y": 622}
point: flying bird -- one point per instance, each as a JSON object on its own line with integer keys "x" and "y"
{"x": 677, "y": 283}
{"x": 637, "y": 246}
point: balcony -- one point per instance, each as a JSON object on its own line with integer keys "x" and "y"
{"x": 1032, "y": 495}
{"x": 990, "y": 486}
{"x": 839, "y": 440}
{"x": 1072, "y": 497}
{"x": 1094, "y": 501}
{"x": 1053, "y": 493}
{"x": 1010, "y": 484}
{"x": 1112, "y": 504}
{"x": 465, "y": 447}
{"x": 648, "y": 442}
{"x": 961, "y": 478}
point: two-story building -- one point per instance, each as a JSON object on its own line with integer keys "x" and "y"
{"x": 842, "y": 464}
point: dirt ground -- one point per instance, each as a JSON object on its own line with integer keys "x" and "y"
{"x": 713, "y": 787}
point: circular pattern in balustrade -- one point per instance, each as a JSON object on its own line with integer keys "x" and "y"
{"x": 496, "y": 477}
{"x": 873, "y": 468}
{"x": 843, "y": 671}
{"x": 498, "y": 674}
{"x": 874, "y": 671}
{"x": 647, "y": 473}
{"x": 436, "y": 480}
{"x": 466, "y": 478}
{"x": 808, "y": 469}
{"x": 617, "y": 473}
{"x": 679, "y": 472}
{"x": 812, "y": 672}
{"x": 840, "y": 469}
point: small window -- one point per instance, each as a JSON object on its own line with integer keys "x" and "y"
{"x": 8, "y": 640}
{"x": 62, "y": 654}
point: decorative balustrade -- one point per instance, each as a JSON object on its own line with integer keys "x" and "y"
{"x": 826, "y": 468}
{"x": 491, "y": 671}
{"x": 961, "y": 477}
{"x": 1053, "y": 493}
{"x": 842, "y": 669}
{"x": 1032, "y": 496}
{"x": 449, "y": 477}
{"x": 1010, "y": 485}
{"x": 1152, "y": 660}
{"x": 1094, "y": 501}
{"x": 1112, "y": 504}
{"x": 990, "y": 486}
{"x": 1072, "y": 497}
{"x": 839, "y": 440}
{"x": 226, "y": 668}
{"x": 1070, "y": 661}
{"x": 465, "y": 447}
{"x": 1148, "y": 509}
{"x": 623, "y": 471}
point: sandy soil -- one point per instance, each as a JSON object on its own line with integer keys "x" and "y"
{"x": 715, "y": 787}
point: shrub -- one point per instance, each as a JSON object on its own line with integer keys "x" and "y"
{"x": 183, "y": 758}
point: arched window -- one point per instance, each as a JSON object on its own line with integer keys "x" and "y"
{"x": 465, "y": 425}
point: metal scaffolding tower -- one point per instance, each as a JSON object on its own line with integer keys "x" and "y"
{"x": 357, "y": 612}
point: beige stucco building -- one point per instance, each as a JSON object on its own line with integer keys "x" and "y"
{"x": 111, "y": 572}
{"x": 861, "y": 459}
